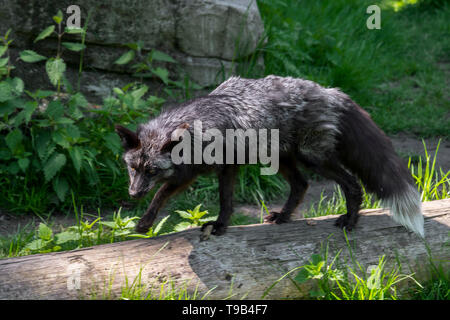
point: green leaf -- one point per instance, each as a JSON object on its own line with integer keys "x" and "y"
{"x": 61, "y": 186}
{"x": 54, "y": 165}
{"x": 163, "y": 74}
{"x": 184, "y": 214}
{"x": 59, "y": 138}
{"x": 138, "y": 93}
{"x": 17, "y": 86}
{"x": 182, "y": 226}
{"x": 45, "y": 33}
{"x": 31, "y": 56}
{"x": 6, "y": 108}
{"x": 6, "y": 92}
{"x": 64, "y": 120}
{"x": 14, "y": 139}
{"x": 109, "y": 224}
{"x": 5, "y": 154}
{"x": 302, "y": 276}
{"x": 112, "y": 142}
{"x": 317, "y": 293}
{"x": 59, "y": 17}
{"x": 316, "y": 259}
{"x": 41, "y": 143}
{"x": 44, "y": 233}
{"x": 125, "y": 58}
{"x": 76, "y": 154}
{"x": 73, "y": 132}
{"x": 55, "y": 110}
{"x": 3, "y": 50}
{"x": 23, "y": 164}
{"x": 78, "y": 100}
{"x": 13, "y": 168}
{"x": 25, "y": 114}
{"x": 29, "y": 109}
{"x": 73, "y": 30}
{"x": 55, "y": 68}
{"x": 213, "y": 218}
{"x": 7, "y": 34}
{"x": 160, "y": 225}
{"x": 3, "y": 61}
{"x": 156, "y": 100}
{"x": 74, "y": 46}
{"x": 135, "y": 45}
{"x": 118, "y": 91}
{"x": 43, "y": 93}
{"x": 67, "y": 236}
{"x": 161, "y": 56}
{"x": 36, "y": 245}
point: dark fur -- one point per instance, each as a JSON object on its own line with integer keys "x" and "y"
{"x": 323, "y": 129}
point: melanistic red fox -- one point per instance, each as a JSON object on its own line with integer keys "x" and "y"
{"x": 319, "y": 128}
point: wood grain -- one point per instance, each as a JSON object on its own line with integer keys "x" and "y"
{"x": 247, "y": 259}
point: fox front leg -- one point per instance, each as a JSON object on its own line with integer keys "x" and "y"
{"x": 226, "y": 185}
{"x": 167, "y": 190}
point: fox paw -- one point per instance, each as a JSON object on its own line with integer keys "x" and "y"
{"x": 344, "y": 222}
{"x": 276, "y": 217}
{"x": 142, "y": 227}
{"x": 213, "y": 227}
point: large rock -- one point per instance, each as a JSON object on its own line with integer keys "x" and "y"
{"x": 204, "y": 36}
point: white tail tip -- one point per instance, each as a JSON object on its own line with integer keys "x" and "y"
{"x": 406, "y": 209}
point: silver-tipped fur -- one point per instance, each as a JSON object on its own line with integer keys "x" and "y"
{"x": 406, "y": 209}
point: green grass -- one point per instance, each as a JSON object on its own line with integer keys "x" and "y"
{"x": 333, "y": 278}
{"x": 432, "y": 184}
{"x": 398, "y": 73}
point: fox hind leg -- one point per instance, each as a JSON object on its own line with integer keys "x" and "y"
{"x": 352, "y": 192}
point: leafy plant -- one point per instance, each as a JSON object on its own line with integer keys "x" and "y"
{"x": 5, "y": 63}
{"x": 120, "y": 227}
{"x": 57, "y": 141}
{"x": 85, "y": 233}
{"x": 152, "y": 65}
{"x": 318, "y": 269}
{"x": 144, "y": 68}
{"x": 55, "y": 66}
{"x": 44, "y": 242}
{"x": 346, "y": 282}
{"x": 153, "y": 231}
{"x": 194, "y": 217}
{"x": 378, "y": 285}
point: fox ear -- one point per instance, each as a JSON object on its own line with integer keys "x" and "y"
{"x": 129, "y": 138}
{"x": 177, "y": 136}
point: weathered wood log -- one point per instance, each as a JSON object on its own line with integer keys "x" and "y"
{"x": 245, "y": 261}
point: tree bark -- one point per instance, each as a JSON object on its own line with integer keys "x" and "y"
{"x": 242, "y": 263}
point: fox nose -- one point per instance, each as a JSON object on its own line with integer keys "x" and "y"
{"x": 134, "y": 193}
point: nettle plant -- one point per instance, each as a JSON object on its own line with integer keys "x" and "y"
{"x": 54, "y": 142}
{"x": 150, "y": 65}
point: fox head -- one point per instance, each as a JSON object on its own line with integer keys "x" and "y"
{"x": 148, "y": 159}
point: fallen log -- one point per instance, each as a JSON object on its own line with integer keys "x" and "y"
{"x": 243, "y": 263}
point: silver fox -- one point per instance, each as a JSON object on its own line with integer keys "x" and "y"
{"x": 319, "y": 128}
